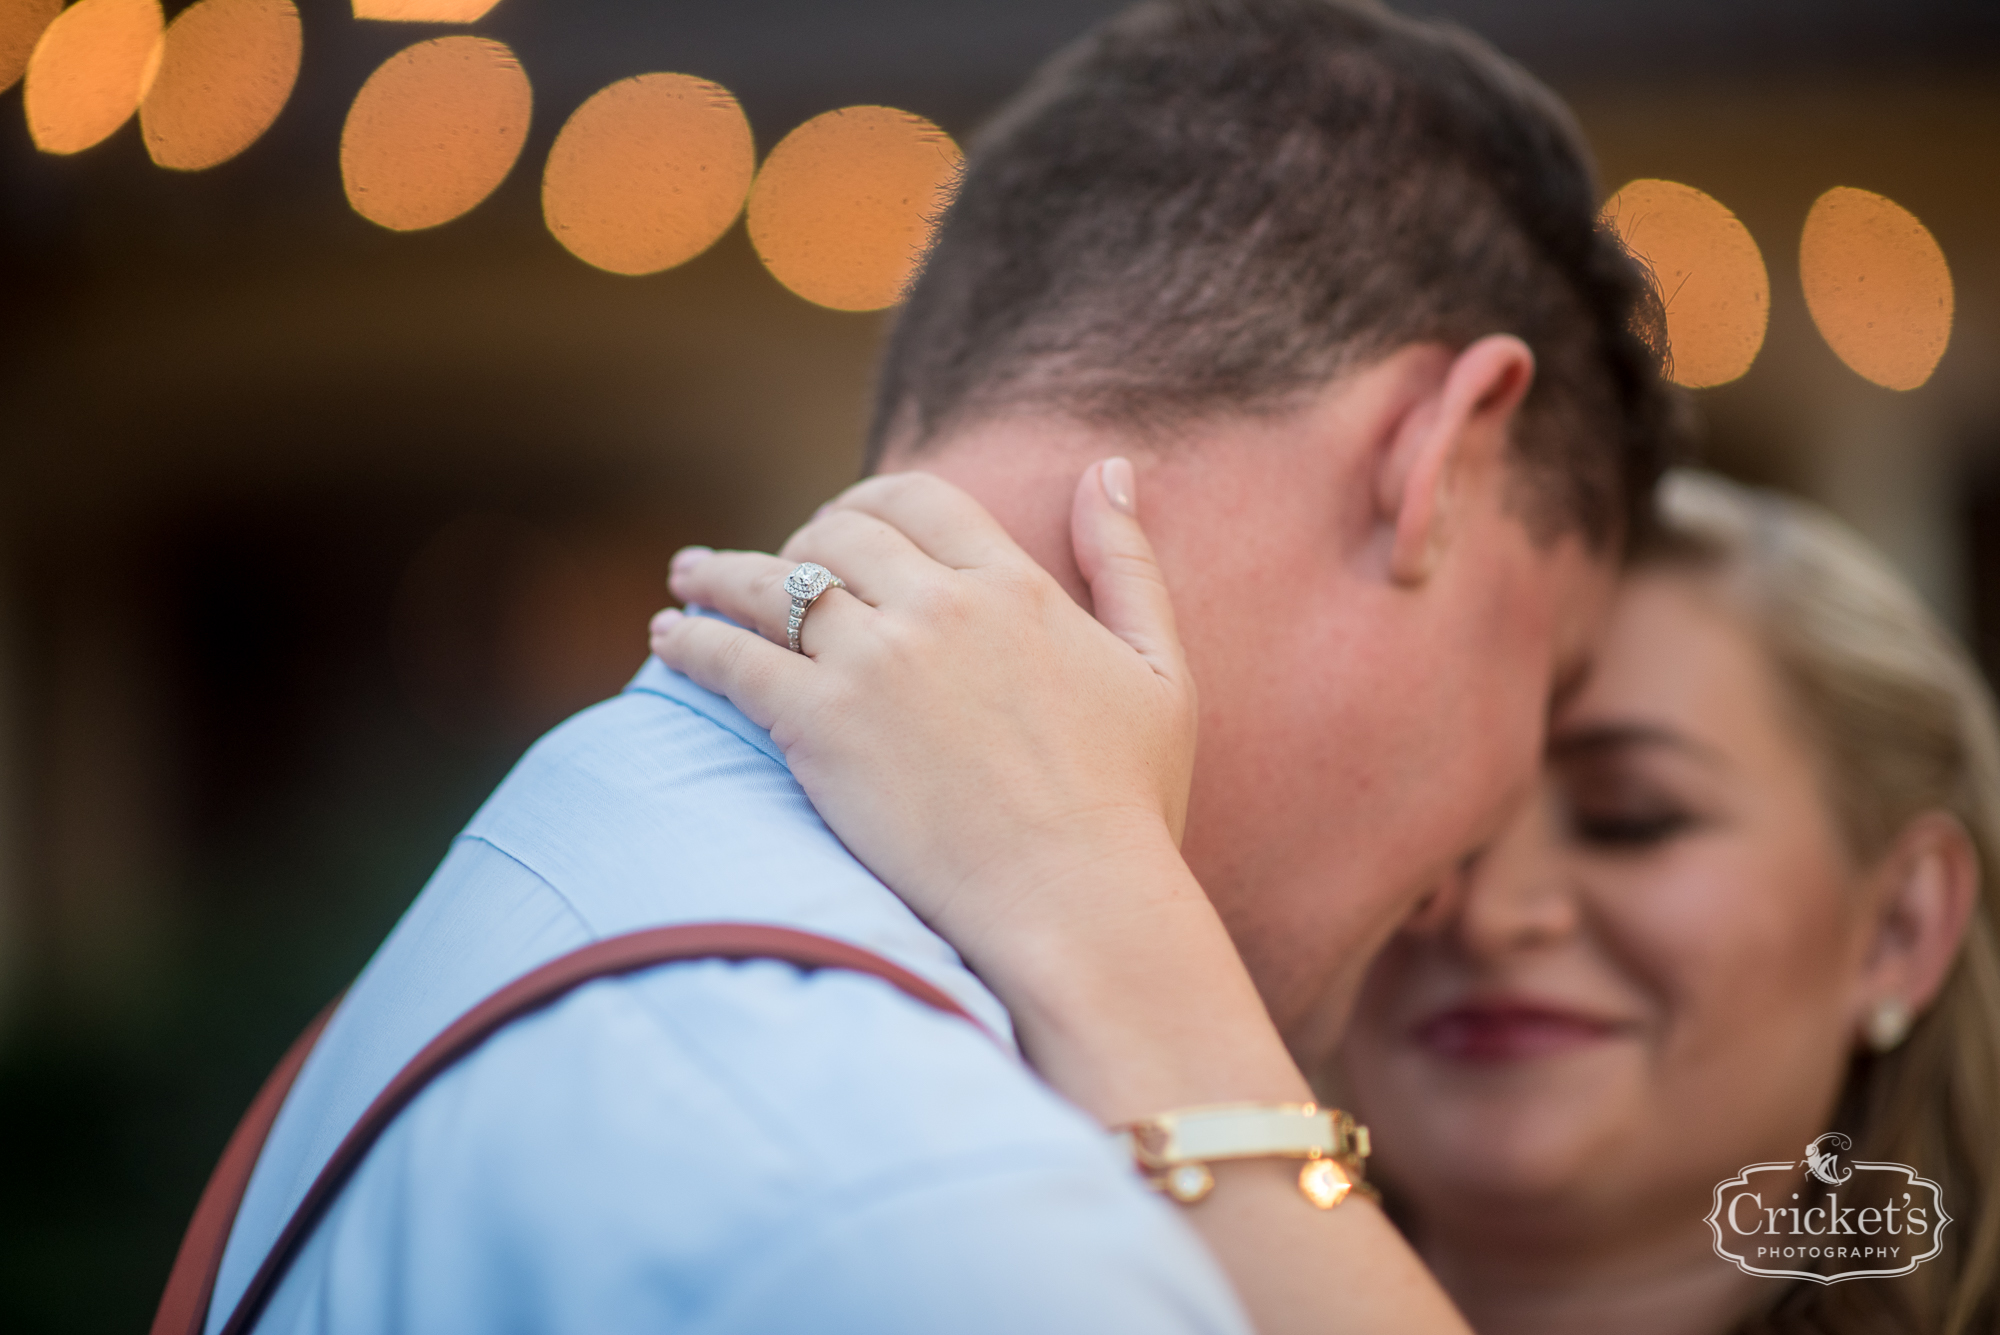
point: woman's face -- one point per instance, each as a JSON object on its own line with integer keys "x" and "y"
{"x": 1650, "y": 981}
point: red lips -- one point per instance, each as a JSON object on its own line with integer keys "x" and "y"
{"x": 1509, "y": 1031}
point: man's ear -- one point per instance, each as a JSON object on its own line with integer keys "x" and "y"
{"x": 1453, "y": 433}
{"x": 1924, "y": 890}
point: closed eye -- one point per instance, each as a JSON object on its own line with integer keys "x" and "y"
{"x": 1629, "y": 831}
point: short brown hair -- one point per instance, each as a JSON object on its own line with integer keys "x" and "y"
{"x": 1212, "y": 206}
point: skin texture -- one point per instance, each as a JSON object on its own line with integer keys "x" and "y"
{"x": 1374, "y": 675}
{"x": 1376, "y": 639}
{"x": 1674, "y": 952}
{"x": 1016, "y": 770}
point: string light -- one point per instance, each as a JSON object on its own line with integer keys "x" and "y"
{"x": 1710, "y": 272}
{"x": 651, "y": 170}
{"x": 434, "y": 131}
{"x": 21, "y": 25}
{"x": 843, "y": 209}
{"x": 648, "y": 173}
{"x": 90, "y": 70}
{"x": 228, "y": 70}
{"x": 423, "y": 11}
{"x": 1878, "y": 286}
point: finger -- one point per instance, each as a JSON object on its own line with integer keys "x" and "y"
{"x": 945, "y": 523}
{"x": 757, "y": 676}
{"x": 749, "y": 589}
{"x": 879, "y": 565}
{"x": 746, "y": 587}
{"x": 1114, "y": 556}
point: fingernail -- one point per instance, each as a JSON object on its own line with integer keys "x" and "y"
{"x": 687, "y": 558}
{"x": 662, "y": 620}
{"x": 1119, "y": 483}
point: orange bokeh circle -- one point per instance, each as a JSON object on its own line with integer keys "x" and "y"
{"x": 434, "y": 131}
{"x": 22, "y": 23}
{"x": 1878, "y": 286}
{"x": 648, "y": 173}
{"x": 228, "y": 70}
{"x": 1710, "y": 272}
{"x": 423, "y": 11}
{"x": 843, "y": 209}
{"x": 90, "y": 70}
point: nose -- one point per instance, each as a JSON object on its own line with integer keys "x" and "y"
{"x": 1517, "y": 895}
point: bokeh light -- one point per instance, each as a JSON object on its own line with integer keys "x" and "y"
{"x": 434, "y": 131}
{"x": 423, "y": 11}
{"x": 648, "y": 173}
{"x": 90, "y": 70}
{"x": 227, "y": 71}
{"x": 843, "y": 209}
{"x": 1878, "y": 286}
{"x": 1711, "y": 276}
{"x": 21, "y": 25}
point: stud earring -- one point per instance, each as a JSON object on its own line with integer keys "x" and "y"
{"x": 1888, "y": 1024}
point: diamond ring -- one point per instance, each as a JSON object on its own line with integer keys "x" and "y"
{"x": 806, "y": 583}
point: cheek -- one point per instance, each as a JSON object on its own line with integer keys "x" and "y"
{"x": 1745, "y": 953}
{"x": 1720, "y": 924}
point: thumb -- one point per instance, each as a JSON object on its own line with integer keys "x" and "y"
{"x": 1127, "y": 590}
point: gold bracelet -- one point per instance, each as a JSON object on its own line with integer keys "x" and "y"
{"x": 1173, "y": 1150}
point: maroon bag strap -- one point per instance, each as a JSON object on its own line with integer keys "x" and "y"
{"x": 191, "y": 1286}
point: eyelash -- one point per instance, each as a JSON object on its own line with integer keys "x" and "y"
{"x": 1630, "y": 833}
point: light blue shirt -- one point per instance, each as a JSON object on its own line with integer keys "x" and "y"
{"x": 702, "y": 1146}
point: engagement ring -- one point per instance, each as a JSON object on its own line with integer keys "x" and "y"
{"x": 806, "y": 583}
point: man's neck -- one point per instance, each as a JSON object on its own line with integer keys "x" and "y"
{"x": 1024, "y": 470}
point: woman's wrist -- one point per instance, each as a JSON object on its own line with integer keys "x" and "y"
{"x": 1131, "y": 999}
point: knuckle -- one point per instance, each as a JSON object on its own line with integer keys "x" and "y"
{"x": 897, "y": 492}
{"x": 873, "y": 662}
{"x": 941, "y": 603}
{"x": 872, "y": 490}
{"x": 742, "y": 663}
{"x": 894, "y": 646}
{"x": 842, "y": 530}
{"x": 1025, "y": 589}
{"x": 1024, "y": 581}
{"x": 905, "y": 483}
{"x": 873, "y": 531}
{"x": 815, "y": 532}
{"x": 731, "y": 656}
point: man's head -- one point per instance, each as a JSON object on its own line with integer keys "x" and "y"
{"x": 1334, "y": 279}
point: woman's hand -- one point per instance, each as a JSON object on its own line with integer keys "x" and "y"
{"x": 982, "y": 743}
{"x": 1011, "y": 766}
{"x": 1018, "y": 772}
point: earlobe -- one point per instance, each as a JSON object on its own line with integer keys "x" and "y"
{"x": 1444, "y": 445}
{"x": 1929, "y": 887}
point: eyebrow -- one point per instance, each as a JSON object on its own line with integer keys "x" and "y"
{"x": 1596, "y": 739}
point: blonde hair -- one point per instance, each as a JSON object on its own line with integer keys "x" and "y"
{"x": 1905, "y": 725}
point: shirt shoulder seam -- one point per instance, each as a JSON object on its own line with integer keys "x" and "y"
{"x": 595, "y": 933}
